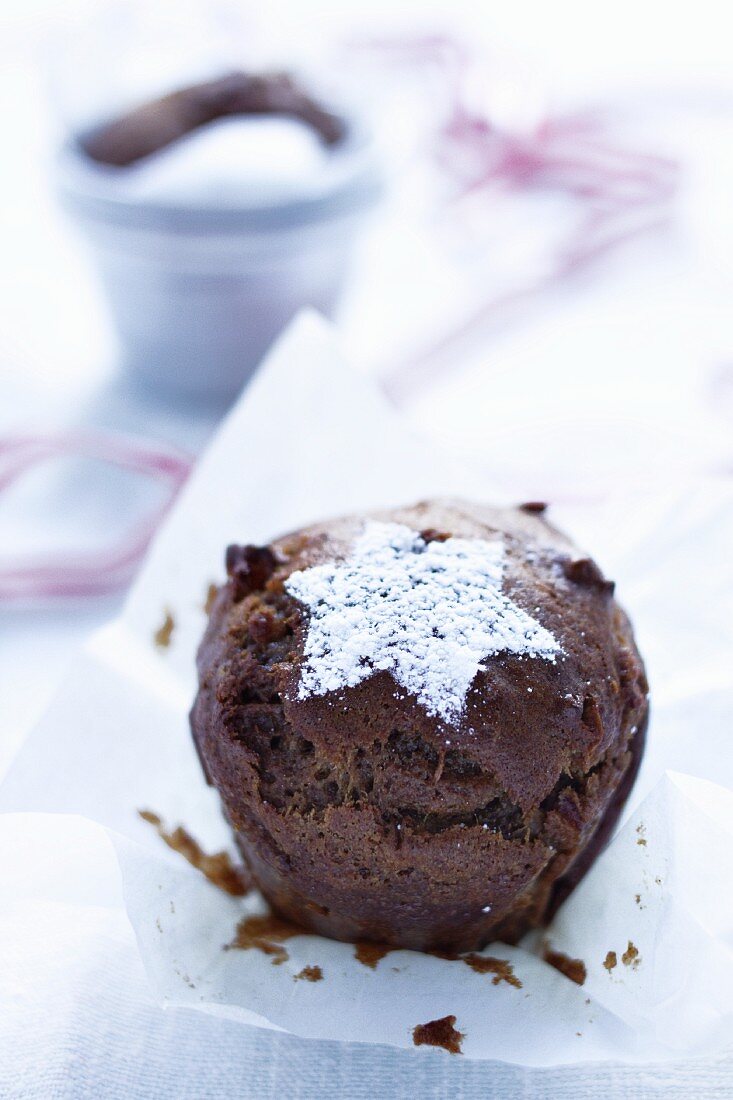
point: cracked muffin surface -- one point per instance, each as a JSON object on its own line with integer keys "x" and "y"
{"x": 366, "y": 809}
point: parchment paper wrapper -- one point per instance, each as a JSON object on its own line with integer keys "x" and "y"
{"x": 310, "y": 438}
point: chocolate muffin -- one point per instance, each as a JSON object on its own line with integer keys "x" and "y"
{"x": 422, "y": 723}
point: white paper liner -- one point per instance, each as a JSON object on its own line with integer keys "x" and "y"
{"x": 309, "y": 439}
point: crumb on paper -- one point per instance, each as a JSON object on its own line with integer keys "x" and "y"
{"x": 185, "y": 978}
{"x": 641, "y": 837}
{"x": 211, "y": 593}
{"x": 630, "y": 956}
{"x": 309, "y": 974}
{"x": 439, "y": 1033}
{"x": 369, "y": 954}
{"x": 575, "y": 969}
{"x": 164, "y": 633}
{"x": 502, "y": 969}
{"x": 265, "y": 932}
{"x": 218, "y": 868}
{"x": 610, "y": 961}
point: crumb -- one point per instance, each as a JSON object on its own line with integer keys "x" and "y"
{"x": 587, "y": 1000}
{"x": 575, "y": 969}
{"x": 579, "y": 1034}
{"x": 610, "y": 961}
{"x": 218, "y": 868}
{"x": 211, "y": 592}
{"x": 641, "y": 838}
{"x": 637, "y": 899}
{"x": 502, "y": 969}
{"x": 265, "y": 932}
{"x": 185, "y": 978}
{"x": 164, "y": 633}
{"x": 439, "y": 1033}
{"x": 641, "y": 841}
{"x": 630, "y": 956}
{"x": 432, "y": 534}
{"x": 369, "y": 954}
{"x": 658, "y": 880}
{"x": 309, "y": 974}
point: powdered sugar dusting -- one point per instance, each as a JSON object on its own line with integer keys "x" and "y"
{"x": 427, "y": 612}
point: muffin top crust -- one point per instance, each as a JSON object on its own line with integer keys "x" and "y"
{"x": 427, "y": 609}
{"x": 481, "y": 635}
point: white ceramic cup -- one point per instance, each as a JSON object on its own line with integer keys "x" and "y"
{"x": 199, "y": 292}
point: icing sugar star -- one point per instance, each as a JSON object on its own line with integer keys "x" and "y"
{"x": 428, "y": 613}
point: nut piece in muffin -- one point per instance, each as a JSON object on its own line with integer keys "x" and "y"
{"x": 422, "y": 723}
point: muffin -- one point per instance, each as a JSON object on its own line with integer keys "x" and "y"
{"x": 422, "y": 722}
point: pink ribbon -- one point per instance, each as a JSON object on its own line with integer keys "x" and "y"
{"x": 620, "y": 193}
{"x": 87, "y": 572}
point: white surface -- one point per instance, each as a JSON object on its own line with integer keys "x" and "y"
{"x": 653, "y": 326}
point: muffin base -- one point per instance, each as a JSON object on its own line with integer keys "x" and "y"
{"x": 451, "y": 929}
